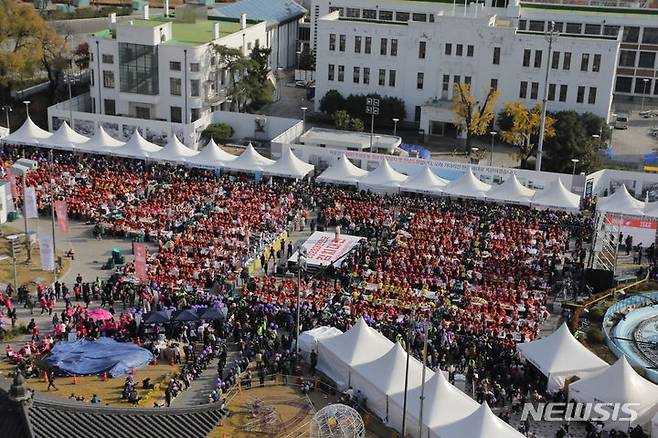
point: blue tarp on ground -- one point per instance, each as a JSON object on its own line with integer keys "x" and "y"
{"x": 86, "y": 357}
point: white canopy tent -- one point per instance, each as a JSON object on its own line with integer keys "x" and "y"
{"x": 651, "y": 209}
{"x": 174, "y": 151}
{"x": 65, "y": 138}
{"x": 100, "y": 142}
{"x": 511, "y": 191}
{"x": 424, "y": 181}
{"x": 384, "y": 376}
{"x": 467, "y": 186}
{"x": 560, "y": 356}
{"x": 137, "y": 147}
{"x": 29, "y": 133}
{"x": 308, "y": 340}
{"x": 249, "y": 161}
{"x": 211, "y": 156}
{"x": 556, "y": 196}
{"x": 443, "y": 404}
{"x": 480, "y": 424}
{"x": 289, "y": 166}
{"x": 619, "y": 383}
{"x": 621, "y": 202}
{"x": 383, "y": 179}
{"x": 343, "y": 172}
{"x": 358, "y": 345}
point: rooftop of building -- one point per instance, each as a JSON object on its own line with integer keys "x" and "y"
{"x": 330, "y": 137}
{"x": 279, "y": 11}
{"x": 568, "y": 8}
{"x": 185, "y": 33}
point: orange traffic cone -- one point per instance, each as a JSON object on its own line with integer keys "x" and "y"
{"x": 75, "y": 380}
{"x": 105, "y": 376}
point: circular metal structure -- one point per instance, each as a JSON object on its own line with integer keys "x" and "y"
{"x": 337, "y": 421}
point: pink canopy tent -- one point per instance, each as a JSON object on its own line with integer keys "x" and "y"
{"x": 99, "y": 314}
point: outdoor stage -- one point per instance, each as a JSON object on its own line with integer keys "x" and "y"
{"x": 323, "y": 248}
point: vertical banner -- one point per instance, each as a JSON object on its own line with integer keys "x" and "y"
{"x": 31, "y": 202}
{"x": 46, "y": 250}
{"x": 62, "y": 216}
{"x": 140, "y": 261}
{"x": 14, "y": 187}
{"x": 4, "y": 186}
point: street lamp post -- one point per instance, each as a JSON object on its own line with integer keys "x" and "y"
{"x": 71, "y": 78}
{"x": 550, "y": 36}
{"x": 412, "y": 327}
{"x": 52, "y": 214}
{"x": 493, "y": 134}
{"x": 27, "y": 108}
{"x": 395, "y": 125}
{"x": 574, "y": 161}
{"x": 644, "y": 93}
{"x": 304, "y": 118}
{"x": 7, "y": 110}
{"x": 372, "y": 108}
{"x": 301, "y": 265}
{"x": 377, "y": 137}
{"x": 474, "y": 152}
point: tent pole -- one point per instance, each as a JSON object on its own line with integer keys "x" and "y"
{"x": 422, "y": 381}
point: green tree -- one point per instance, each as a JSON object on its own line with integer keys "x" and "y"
{"x": 81, "y": 56}
{"x": 237, "y": 66}
{"x": 519, "y": 126}
{"x": 342, "y": 120}
{"x": 471, "y": 115}
{"x": 356, "y": 125}
{"x": 573, "y": 140}
{"x": 220, "y": 132}
{"x": 331, "y": 102}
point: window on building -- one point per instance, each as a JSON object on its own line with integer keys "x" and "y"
{"x": 108, "y": 59}
{"x": 647, "y": 60}
{"x": 138, "y": 69}
{"x": 195, "y": 113}
{"x": 596, "y": 63}
{"x": 386, "y": 15}
{"x": 627, "y": 58}
{"x": 394, "y": 47}
{"x": 357, "y": 44}
{"x": 417, "y": 111}
{"x": 368, "y": 45}
{"x": 536, "y": 25}
{"x": 551, "y": 92}
{"x": 176, "y": 114}
{"x": 142, "y": 112}
{"x": 370, "y": 14}
{"x": 591, "y": 97}
{"x": 523, "y": 90}
{"x": 584, "y": 62}
{"x": 523, "y": 24}
{"x": 574, "y": 28}
{"x": 534, "y": 90}
{"x": 580, "y": 95}
{"x": 92, "y": 76}
{"x": 610, "y": 30}
{"x": 194, "y": 67}
{"x": 470, "y": 50}
{"x": 420, "y": 78}
{"x": 558, "y": 26}
{"x": 496, "y": 55}
{"x": 419, "y": 17}
{"x": 642, "y": 85}
{"x": 174, "y": 65}
{"x": 460, "y": 50}
{"x": 356, "y": 73}
{"x": 555, "y": 62}
{"x": 391, "y": 78}
{"x": 402, "y": 16}
{"x": 563, "y": 93}
{"x": 446, "y": 83}
{"x": 110, "y": 107}
{"x": 366, "y": 75}
{"x": 332, "y": 42}
{"x": 341, "y": 43}
{"x": 108, "y": 79}
{"x": 493, "y": 84}
{"x": 593, "y": 29}
{"x": 341, "y": 73}
{"x": 93, "y": 104}
{"x": 448, "y": 50}
{"x": 194, "y": 88}
{"x": 631, "y": 34}
{"x": 336, "y": 8}
{"x": 538, "y": 56}
{"x": 383, "y": 43}
{"x": 623, "y": 84}
{"x": 382, "y": 77}
{"x": 422, "y": 46}
{"x": 566, "y": 62}
{"x": 353, "y": 12}
{"x": 650, "y": 35}
{"x": 467, "y": 80}
{"x": 456, "y": 79}
{"x": 330, "y": 72}
{"x": 526, "y": 57}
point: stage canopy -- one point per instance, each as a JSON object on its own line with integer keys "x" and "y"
{"x": 424, "y": 181}
{"x": 621, "y": 202}
{"x": 511, "y": 191}
{"x": 289, "y": 166}
{"x": 383, "y": 178}
{"x": 249, "y": 161}
{"x": 174, "y": 151}
{"x": 101, "y": 142}
{"x": 211, "y": 156}
{"x": 467, "y": 186}
{"x": 342, "y": 172}
{"x": 86, "y": 357}
{"x": 560, "y": 356}
{"x": 556, "y": 196}
{"x": 480, "y": 424}
{"x": 65, "y": 138}
{"x": 29, "y": 133}
{"x": 137, "y": 147}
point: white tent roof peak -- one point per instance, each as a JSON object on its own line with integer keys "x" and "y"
{"x": 511, "y": 190}
{"x": 387, "y": 372}
{"x": 212, "y": 156}
{"x": 289, "y": 165}
{"x": 556, "y": 195}
{"x": 359, "y": 344}
{"x": 621, "y": 202}
{"x": 343, "y": 171}
{"x": 101, "y": 141}
{"x": 480, "y": 424}
{"x": 65, "y": 137}
{"x": 137, "y": 147}
{"x": 250, "y": 161}
{"x": 174, "y": 151}
{"x": 467, "y": 185}
{"x": 383, "y": 175}
{"x": 424, "y": 181}
{"x": 28, "y": 133}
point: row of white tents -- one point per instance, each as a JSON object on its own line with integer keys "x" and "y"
{"x": 622, "y": 202}
{"x": 212, "y": 156}
{"x": 386, "y": 179}
{"x": 367, "y": 361}
{"x": 560, "y": 357}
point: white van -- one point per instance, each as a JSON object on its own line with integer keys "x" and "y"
{"x": 621, "y": 122}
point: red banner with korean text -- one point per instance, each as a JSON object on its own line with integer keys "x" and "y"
{"x": 62, "y": 216}
{"x": 140, "y": 261}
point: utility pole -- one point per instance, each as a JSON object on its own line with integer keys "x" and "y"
{"x": 372, "y": 108}
{"x": 426, "y": 333}
{"x": 412, "y": 326}
{"x": 27, "y": 236}
{"x": 301, "y": 264}
{"x": 550, "y": 36}
{"x": 52, "y": 213}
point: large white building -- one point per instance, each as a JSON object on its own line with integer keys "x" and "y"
{"x": 164, "y": 68}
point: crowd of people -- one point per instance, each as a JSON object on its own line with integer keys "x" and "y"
{"x": 473, "y": 277}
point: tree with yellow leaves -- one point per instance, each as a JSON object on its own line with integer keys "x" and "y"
{"x": 472, "y": 116}
{"x": 524, "y": 125}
